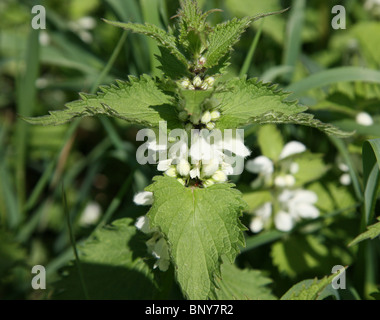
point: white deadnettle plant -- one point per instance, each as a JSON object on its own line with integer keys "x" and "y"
{"x": 195, "y": 213}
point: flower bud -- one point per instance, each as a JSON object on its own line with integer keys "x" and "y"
{"x": 181, "y": 181}
{"x": 204, "y": 86}
{"x": 206, "y": 117}
{"x": 219, "y": 176}
{"x": 202, "y": 60}
{"x": 210, "y": 168}
{"x": 183, "y": 115}
{"x": 171, "y": 172}
{"x": 210, "y": 81}
{"x": 185, "y": 83}
{"x": 183, "y": 167}
{"x": 197, "y": 81}
{"x": 208, "y": 183}
{"x": 215, "y": 115}
{"x": 210, "y": 126}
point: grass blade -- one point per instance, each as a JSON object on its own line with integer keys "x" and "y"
{"x": 72, "y": 240}
{"x": 251, "y": 52}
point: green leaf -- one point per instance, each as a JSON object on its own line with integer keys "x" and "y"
{"x": 226, "y": 35}
{"x": 311, "y": 167}
{"x": 162, "y": 38}
{"x": 298, "y": 255}
{"x": 222, "y": 38}
{"x": 172, "y": 67}
{"x": 201, "y": 226}
{"x": 242, "y": 284}
{"x": 136, "y": 101}
{"x": 241, "y": 100}
{"x": 114, "y": 266}
{"x": 310, "y": 289}
{"x": 192, "y": 26}
{"x": 270, "y": 141}
{"x": 256, "y": 198}
{"x": 371, "y": 177}
{"x": 304, "y": 119}
{"x": 372, "y": 232}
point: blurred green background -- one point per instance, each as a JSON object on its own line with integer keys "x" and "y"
{"x": 94, "y": 159}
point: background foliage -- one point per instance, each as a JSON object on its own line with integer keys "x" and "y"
{"x": 331, "y": 71}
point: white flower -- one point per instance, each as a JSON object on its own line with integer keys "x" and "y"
{"x": 197, "y": 81}
{"x": 295, "y": 205}
{"x": 143, "y": 198}
{"x": 364, "y": 119}
{"x": 164, "y": 165}
{"x": 283, "y": 221}
{"x": 209, "y": 182}
{"x": 202, "y": 60}
{"x": 262, "y": 216}
{"x": 183, "y": 167}
{"x": 260, "y": 165}
{"x": 161, "y": 253}
{"x": 215, "y": 115}
{"x": 142, "y": 223}
{"x": 210, "y": 168}
{"x": 294, "y": 168}
{"x": 284, "y": 181}
{"x": 209, "y": 81}
{"x": 345, "y": 179}
{"x": 210, "y": 126}
{"x": 185, "y": 84}
{"x": 171, "y": 172}
{"x": 219, "y": 176}
{"x": 90, "y": 215}
{"x": 291, "y": 148}
{"x": 206, "y": 117}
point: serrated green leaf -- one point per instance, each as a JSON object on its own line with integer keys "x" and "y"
{"x": 136, "y": 101}
{"x": 114, "y": 266}
{"x": 310, "y": 289}
{"x": 201, "y": 226}
{"x": 226, "y": 35}
{"x": 171, "y": 65}
{"x": 162, "y": 38}
{"x": 240, "y": 101}
{"x": 304, "y": 119}
{"x": 222, "y": 38}
{"x": 270, "y": 141}
{"x": 242, "y": 284}
{"x": 192, "y": 27}
{"x": 372, "y": 232}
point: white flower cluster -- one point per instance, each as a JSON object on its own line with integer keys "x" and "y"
{"x": 293, "y": 205}
{"x": 157, "y": 245}
{"x": 208, "y": 118}
{"x": 205, "y": 162}
{"x": 197, "y": 83}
